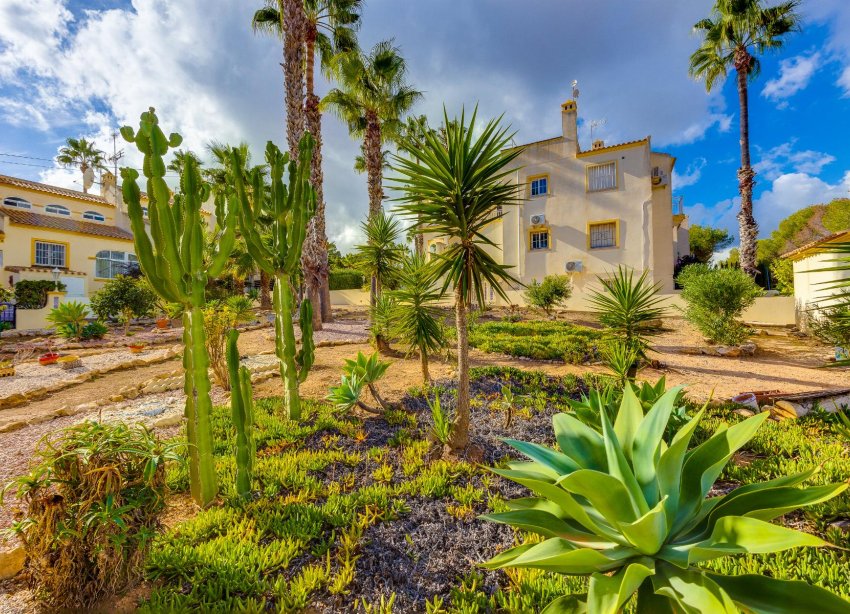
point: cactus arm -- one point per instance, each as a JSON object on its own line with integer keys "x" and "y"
{"x": 207, "y": 482}
{"x": 307, "y": 355}
{"x": 226, "y": 242}
{"x": 240, "y": 396}
{"x": 189, "y": 411}
{"x": 285, "y": 343}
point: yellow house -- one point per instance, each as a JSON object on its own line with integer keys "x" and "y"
{"x": 816, "y": 273}
{"x": 585, "y": 212}
{"x": 84, "y": 238}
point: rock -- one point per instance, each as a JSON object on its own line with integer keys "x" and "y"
{"x": 154, "y": 412}
{"x": 12, "y": 426}
{"x": 116, "y": 398}
{"x": 168, "y": 421}
{"x": 91, "y": 406}
{"x": 39, "y": 419}
{"x": 783, "y": 410}
{"x": 11, "y": 562}
{"x": 746, "y": 413}
{"x": 64, "y": 410}
{"x": 749, "y": 348}
{"x": 728, "y": 351}
{"x": 789, "y": 408}
{"x": 760, "y": 332}
{"x": 841, "y": 525}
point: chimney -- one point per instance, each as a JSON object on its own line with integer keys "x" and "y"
{"x": 111, "y": 194}
{"x": 569, "y": 124}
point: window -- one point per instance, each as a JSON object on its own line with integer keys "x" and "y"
{"x": 602, "y": 177}
{"x": 94, "y": 216}
{"x": 109, "y": 264}
{"x": 144, "y": 211}
{"x": 50, "y": 254}
{"x": 14, "y": 201}
{"x": 539, "y": 239}
{"x": 57, "y": 210}
{"x": 539, "y": 185}
{"x": 603, "y": 234}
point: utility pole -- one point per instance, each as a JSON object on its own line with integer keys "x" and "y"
{"x": 116, "y": 155}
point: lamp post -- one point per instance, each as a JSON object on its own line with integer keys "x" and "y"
{"x": 55, "y": 272}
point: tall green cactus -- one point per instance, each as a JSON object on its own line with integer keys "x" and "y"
{"x": 242, "y": 411}
{"x": 289, "y": 208}
{"x": 172, "y": 259}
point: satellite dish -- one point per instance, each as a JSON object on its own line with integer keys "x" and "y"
{"x": 88, "y": 178}
{"x": 575, "y": 89}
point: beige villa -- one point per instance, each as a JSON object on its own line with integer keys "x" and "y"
{"x": 587, "y": 211}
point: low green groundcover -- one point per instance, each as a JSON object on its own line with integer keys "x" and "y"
{"x": 539, "y": 340}
{"x": 350, "y": 515}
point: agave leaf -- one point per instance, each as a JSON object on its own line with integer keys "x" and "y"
{"x": 568, "y": 604}
{"x": 628, "y": 419}
{"x": 605, "y": 493}
{"x": 534, "y": 469}
{"x": 618, "y": 467}
{"x": 648, "y": 532}
{"x": 580, "y": 442}
{"x": 608, "y": 594}
{"x": 669, "y": 471}
{"x": 650, "y": 603}
{"x": 548, "y": 525}
{"x": 506, "y": 558}
{"x": 556, "y": 461}
{"x": 647, "y": 443}
{"x": 706, "y": 461}
{"x": 536, "y": 503}
{"x": 559, "y": 555}
{"x": 742, "y": 535}
{"x": 764, "y": 595}
{"x": 692, "y": 591}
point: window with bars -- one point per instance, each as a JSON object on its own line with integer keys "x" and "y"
{"x": 602, "y": 177}
{"x": 603, "y": 235}
{"x": 540, "y": 185}
{"x": 540, "y": 240}
{"x": 109, "y": 264}
{"x": 50, "y": 254}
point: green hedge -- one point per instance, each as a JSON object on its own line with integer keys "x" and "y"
{"x": 346, "y": 279}
{"x": 539, "y": 340}
{"x": 32, "y": 293}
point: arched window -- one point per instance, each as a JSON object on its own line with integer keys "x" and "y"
{"x": 94, "y": 216}
{"x": 57, "y": 210}
{"x": 144, "y": 211}
{"x": 109, "y": 264}
{"x": 14, "y": 201}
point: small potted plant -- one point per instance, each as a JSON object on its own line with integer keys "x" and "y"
{"x": 7, "y": 368}
{"x": 48, "y": 358}
{"x": 137, "y": 347}
{"x": 69, "y": 362}
{"x": 163, "y": 321}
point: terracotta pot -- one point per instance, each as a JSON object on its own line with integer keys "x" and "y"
{"x": 48, "y": 359}
{"x": 136, "y": 349}
{"x": 163, "y": 323}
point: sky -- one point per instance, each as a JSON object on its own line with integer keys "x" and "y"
{"x": 71, "y": 68}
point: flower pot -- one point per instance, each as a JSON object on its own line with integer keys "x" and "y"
{"x": 136, "y": 349}
{"x": 69, "y": 362}
{"x": 163, "y": 323}
{"x": 7, "y": 370}
{"x": 48, "y": 359}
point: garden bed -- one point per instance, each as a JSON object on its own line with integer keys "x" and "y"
{"x": 543, "y": 340}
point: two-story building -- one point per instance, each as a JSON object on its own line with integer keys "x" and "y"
{"x": 47, "y": 231}
{"x": 585, "y": 212}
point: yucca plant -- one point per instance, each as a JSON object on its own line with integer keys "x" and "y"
{"x": 633, "y": 513}
{"x": 630, "y": 308}
{"x": 620, "y": 358}
{"x": 442, "y": 422}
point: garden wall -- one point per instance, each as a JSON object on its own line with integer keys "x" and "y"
{"x": 349, "y": 297}
{"x": 36, "y": 319}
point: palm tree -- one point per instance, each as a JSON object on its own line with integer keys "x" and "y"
{"x": 415, "y": 129}
{"x": 736, "y": 32}
{"x": 179, "y": 161}
{"x": 83, "y": 155}
{"x": 416, "y": 321}
{"x": 454, "y": 189}
{"x": 373, "y": 98}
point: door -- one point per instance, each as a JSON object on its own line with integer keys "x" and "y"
{"x": 74, "y": 286}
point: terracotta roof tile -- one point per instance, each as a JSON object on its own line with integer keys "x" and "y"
{"x": 796, "y": 253}
{"x": 28, "y": 218}
{"x": 50, "y": 189}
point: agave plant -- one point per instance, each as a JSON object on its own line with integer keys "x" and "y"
{"x": 631, "y": 512}
{"x": 358, "y": 374}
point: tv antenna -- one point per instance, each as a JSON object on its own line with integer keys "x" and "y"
{"x": 575, "y": 89}
{"x": 595, "y": 123}
{"x": 116, "y": 155}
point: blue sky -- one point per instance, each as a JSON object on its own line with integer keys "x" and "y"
{"x": 83, "y": 67}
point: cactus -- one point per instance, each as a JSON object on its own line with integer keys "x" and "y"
{"x": 172, "y": 259}
{"x": 290, "y": 209}
{"x": 242, "y": 410}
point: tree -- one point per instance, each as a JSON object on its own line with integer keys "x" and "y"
{"x": 454, "y": 189}
{"x": 552, "y": 291}
{"x": 705, "y": 241}
{"x": 373, "y": 98}
{"x": 83, "y": 155}
{"x": 178, "y": 161}
{"x": 124, "y": 298}
{"x": 736, "y": 30}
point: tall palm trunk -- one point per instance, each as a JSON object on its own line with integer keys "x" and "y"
{"x": 294, "y": 21}
{"x": 748, "y": 228}
{"x": 314, "y": 257}
{"x": 265, "y": 295}
{"x": 423, "y": 361}
{"x": 460, "y": 430}
{"x": 374, "y": 177}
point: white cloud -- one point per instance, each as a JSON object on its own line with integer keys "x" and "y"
{"x": 691, "y": 175}
{"x": 835, "y": 15}
{"x": 783, "y": 158}
{"x": 794, "y": 76}
{"x": 31, "y": 33}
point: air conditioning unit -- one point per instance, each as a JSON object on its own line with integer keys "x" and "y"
{"x": 659, "y": 177}
{"x": 537, "y": 220}
{"x": 574, "y": 266}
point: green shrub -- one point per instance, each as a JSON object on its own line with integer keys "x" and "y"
{"x": 346, "y": 279}
{"x": 69, "y": 319}
{"x": 831, "y": 324}
{"x": 92, "y": 506}
{"x": 554, "y": 290}
{"x": 539, "y": 340}
{"x": 32, "y": 293}
{"x": 716, "y": 299}
{"x": 93, "y": 330}
{"x": 124, "y": 298}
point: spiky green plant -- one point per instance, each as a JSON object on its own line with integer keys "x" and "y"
{"x": 289, "y": 207}
{"x": 173, "y": 262}
{"x": 242, "y": 411}
{"x": 632, "y": 513}
{"x": 358, "y": 374}
{"x": 441, "y": 428}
